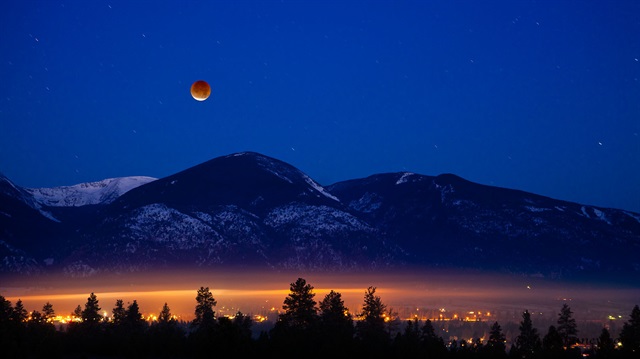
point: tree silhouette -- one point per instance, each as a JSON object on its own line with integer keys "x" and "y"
{"x": 553, "y": 343}
{"x": 77, "y": 312}
{"x": 527, "y": 343}
{"x": 19, "y": 314}
{"x": 119, "y": 312}
{"x": 567, "y": 328}
{"x": 233, "y": 336}
{"x": 407, "y": 343}
{"x": 496, "y": 347}
{"x": 6, "y": 310}
{"x": 630, "y": 333}
{"x": 205, "y": 315}
{"x": 294, "y": 328}
{"x": 165, "y": 315}
{"x": 133, "y": 314}
{"x": 606, "y": 346}
{"x": 336, "y": 323}
{"x": 370, "y": 329}
{"x": 168, "y": 338}
{"x": 300, "y": 311}
{"x": 47, "y": 312}
{"x": 91, "y": 312}
{"x": 10, "y": 330}
{"x": 204, "y": 323}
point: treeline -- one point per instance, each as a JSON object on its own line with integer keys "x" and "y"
{"x": 304, "y": 328}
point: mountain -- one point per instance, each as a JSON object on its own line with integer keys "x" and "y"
{"x": 250, "y": 210}
{"x": 100, "y": 192}
{"x": 449, "y": 221}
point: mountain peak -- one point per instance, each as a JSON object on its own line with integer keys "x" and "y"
{"x": 243, "y": 178}
{"x": 99, "y": 192}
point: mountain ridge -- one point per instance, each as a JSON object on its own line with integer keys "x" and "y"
{"x": 248, "y": 209}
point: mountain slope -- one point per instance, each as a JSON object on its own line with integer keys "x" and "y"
{"x": 244, "y": 209}
{"x": 451, "y": 222}
{"x": 250, "y": 210}
{"x": 100, "y": 192}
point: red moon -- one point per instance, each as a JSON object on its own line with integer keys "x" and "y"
{"x": 200, "y": 90}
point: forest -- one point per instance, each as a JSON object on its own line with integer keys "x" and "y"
{"x": 305, "y": 327}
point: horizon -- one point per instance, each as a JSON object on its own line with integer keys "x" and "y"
{"x": 408, "y": 293}
{"x": 535, "y": 97}
{"x": 322, "y": 184}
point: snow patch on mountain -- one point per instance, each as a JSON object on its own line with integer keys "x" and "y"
{"x": 314, "y": 219}
{"x": 601, "y": 215}
{"x": 404, "y": 178}
{"x": 368, "y": 203}
{"x": 632, "y": 215}
{"x": 159, "y": 223}
{"x": 319, "y": 188}
{"x": 105, "y": 191}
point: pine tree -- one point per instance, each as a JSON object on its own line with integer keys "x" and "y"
{"x": 91, "y": 312}
{"x": 496, "y": 347}
{"x": 567, "y": 328}
{"x": 606, "y": 346}
{"x": 133, "y": 314}
{"x": 300, "y": 311}
{"x": 6, "y": 310}
{"x": 370, "y": 330}
{"x": 553, "y": 343}
{"x": 527, "y": 344}
{"x": 165, "y": 315}
{"x": 47, "y": 312}
{"x": 432, "y": 342}
{"x": 77, "y": 312}
{"x": 336, "y": 323}
{"x": 630, "y": 333}
{"x": 373, "y": 310}
{"x": 119, "y": 312}
{"x": 19, "y": 314}
{"x": 205, "y": 315}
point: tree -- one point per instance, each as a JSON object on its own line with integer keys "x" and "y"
{"x": 6, "y": 310}
{"x": 370, "y": 330}
{"x": 408, "y": 343}
{"x": 166, "y": 335}
{"x": 91, "y": 312}
{"x": 336, "y": 323}
{"x": 527, "y": 344}
{"x": 630, "y": 333}
{"x": 606, "y": 346}
{"x": 19, "y": 314}
{"x": 119, "y": 312}
{"x": 300, "y": 311}
{"x": 567, "y": 328}
{"x": 294, "y": 327}
{"x": 233, "y": 336}
{"x": 553, "y": 343}
{"x": 432, "y": 342}
{"x": 9, "y": 330}
{"x": 47, "y": 312}
{"x": 77, "y": 312}
{"x": 133, "y": 315}
{"x": 496, "y": 347}
{"x": 165, "y": 315}
{"x": 205, "y": 315}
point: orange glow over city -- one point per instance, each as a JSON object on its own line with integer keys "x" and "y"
{"x": 422, "y": 295}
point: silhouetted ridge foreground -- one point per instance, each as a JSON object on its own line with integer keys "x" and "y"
{"x": 304, "y": 327}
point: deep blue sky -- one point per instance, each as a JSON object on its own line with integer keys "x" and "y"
{"x": 542, "y": 96}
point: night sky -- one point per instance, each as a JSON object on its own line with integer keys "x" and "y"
{"x": 542, "y": 96}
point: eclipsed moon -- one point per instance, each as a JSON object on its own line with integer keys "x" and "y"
{"x": 200, "y": 90}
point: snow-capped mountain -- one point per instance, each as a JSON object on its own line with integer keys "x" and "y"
{"x": 251, "y": 210}
{"x": 100, "y": 192}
